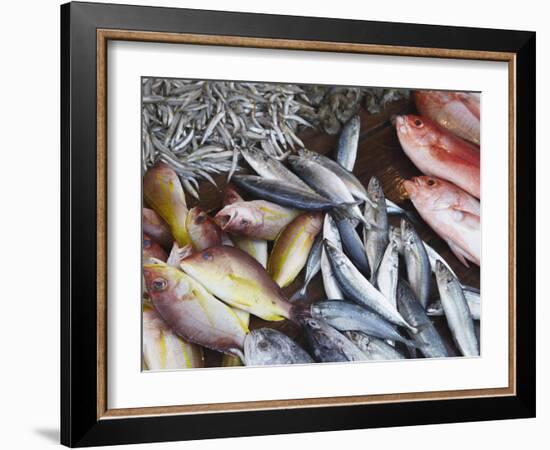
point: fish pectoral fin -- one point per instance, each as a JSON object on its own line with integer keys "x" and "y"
{"x": 459, "y": 253}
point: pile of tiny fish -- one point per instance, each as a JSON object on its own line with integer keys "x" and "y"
{"x": 205, "y": 274}
{"x": 199, "y": 128}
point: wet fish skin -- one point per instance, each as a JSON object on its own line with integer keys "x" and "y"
{"x": 238, "y": 279}
{"x": 375, "y": 236}
{"x": 440, "y": 154}
{"x": 388, "y": 273}
{"x": 375, "y": 349}
{"x": 427, "y": 338}
{"x": 357, "y": 288}
{"x": 451, "y": 213}
{"x": 257, "y": 248}
{"x": 348, "y": 141}
{"x": 416, "y": 262}
{"x": 313, "y": 263}
{"x": 328, "y": 345}
{"x": 191, "y": 311}
{"x": 285, "y": 194}
{"x": 330, "y": 233}
{"x": 354, "y": 186}
{"x": 456, "y": 311}
{"x": 257, "y": 219}
{"x": 156, "y": 228}
{"x": 163, "y": 192}
{"x": 472, "y": 298}
{"x": 270, "y": 168}
{"x": 324, "y": 182}
{"x": 203, "y": 231}
{"x": 152, "y": 250}
{"x": 165, "y": 350}
{"x": 291, "y": 248}
{"x": 458, "y": 112}
{"x": 268, "y": 347}
{"x": 352, "y": 245}
{"x": 347, "y": 316}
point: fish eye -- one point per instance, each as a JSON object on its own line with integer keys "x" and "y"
{"x": 159, "y": 284}
{"x": 418, "y": 123}
{"x": 201, "y": 218}
{"x": 263, "y": 345}
{"x": 431, "y": 182}
{"x": 146, "y": 243}
{"x": 207, "y": 256}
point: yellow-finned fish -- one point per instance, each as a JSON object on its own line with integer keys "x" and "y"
{"x": 164, "y": 349}
{"x": 292, "y": 247}
{"x": 192, "y": 312}
{"x": 202, "y": 230}
{"x": 235, "y": 277}
{"x": 163, "y": 192}
{"x": 257, "y": 219}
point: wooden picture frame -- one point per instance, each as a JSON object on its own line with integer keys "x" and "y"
{"x": 85, "y": 417}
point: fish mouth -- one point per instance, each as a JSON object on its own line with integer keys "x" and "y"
{"x": 223, "y": 220}
{"x": 400, "y": 123}
{"x": 411, "y": 187}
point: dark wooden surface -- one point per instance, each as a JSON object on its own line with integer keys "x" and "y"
{"x": 379, "y": 154}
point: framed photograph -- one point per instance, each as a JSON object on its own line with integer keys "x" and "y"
{"x": 275, "y": 224}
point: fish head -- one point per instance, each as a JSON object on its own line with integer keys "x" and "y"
{"x": 202, "y": 230}
{"x": 152, "y": 250}
{"x": 408, "y": 233}
{"x": 262, "y": 344}
{"x": 164, "y": 282}
{"x": 375, "y": 192}
{"x": 240, "y": 218}
{"x": 431, "y": 192}
{"x": 415, "y": 131}
{"x": 443, "y": 274}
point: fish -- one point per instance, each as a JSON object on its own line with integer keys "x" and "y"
{"x": 203, "y": 231}
{"x": 472, "y": 298}
{"x": 427, "y": 339}
{"x": 178, "y": 253}
{"x": 268, "y": 347}
{"x": 458, "y": 112}
{"x": 257, "y": 219}
{"x": 347, "y": 316}
{"x": 355, "y": 187}
{"x": 438, "y": 153}
{"x": 237, "y": 279}
{"x": 152, "y": 250}
{"x": 291, "y": 248}
{"x": 325, "y": 182}
{"x": 257, "y": 248}
{"x": 353, "y": 246}
{"x": 163, "y": 349}
{"x": 375, "y": 234}
{"x": 313, "y": 264}
{"x": 285, "y": 194}
{"x": 192, "y": 311}
{"x": 331, "y": 234}
{"x": 348, "y": 141}
{"x": 163, "y": 192}
{"x": 457, "y": 311}
{"x": 388, "y": 273}
{"x": 329, "y": 345}
{"x": 156, "y": 228}
{"x": 357, "y": 288}
{"x": 433, "y": 256}
{"x": 452, "y": 213}
{"x": 416, "y": 263}
{"x": 375, "y": 349}
{"x": 270, "y": 168}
